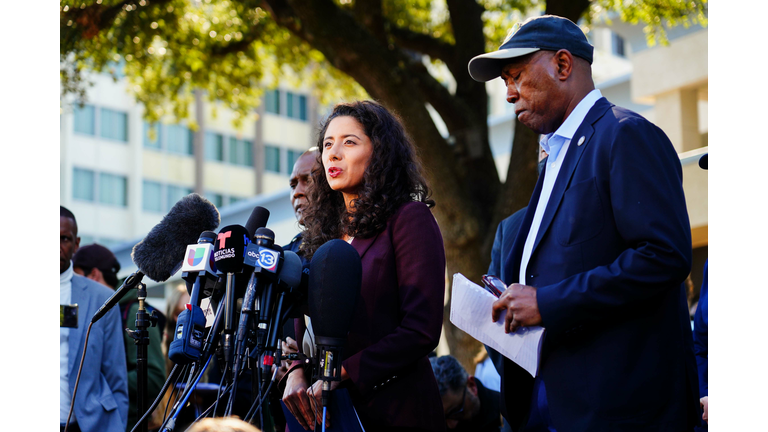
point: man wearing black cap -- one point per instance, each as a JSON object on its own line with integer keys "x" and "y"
{"x": 602, "y": 253}
{"x": 99, "y": 264}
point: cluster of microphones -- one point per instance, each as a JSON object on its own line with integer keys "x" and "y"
{"x": 254, "y": 286}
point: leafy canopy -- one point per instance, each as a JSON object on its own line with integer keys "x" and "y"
{"x": 233, "y": 50}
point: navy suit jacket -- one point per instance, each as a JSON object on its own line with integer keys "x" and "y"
{"x": 102, "y": 394}
{"x": 503, "y": 242}
{"x": 609, "y": 261}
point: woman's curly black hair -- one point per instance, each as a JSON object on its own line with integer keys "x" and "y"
{"x": 392, "y": 178}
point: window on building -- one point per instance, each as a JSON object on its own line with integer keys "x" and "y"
{"x": 83, "y": 184}
{"x": 85, "y": 119}
{"x": 234, "y": 199}
{"x": 296, "y": 106}
{"x": 617, "y": 45}
{"x": 113, "y": 189}
{"x": 178, "y": 139}
{"x": 272, "y": 101}
{"x": 152, "y": 196}
{"x": 214, "y": 147}
{"x": 113, "y": 125}
{"x": 175, "y": 193}
{"x": 272, "y": 158}
{"x": 293, "y": 156}
{"x": 152, "y": 135}
{"x": 240, "y": 152}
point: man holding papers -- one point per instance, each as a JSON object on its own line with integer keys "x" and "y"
{"x": 602, "y": 252}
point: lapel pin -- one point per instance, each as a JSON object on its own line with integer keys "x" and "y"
{"x": 581, "y": 141}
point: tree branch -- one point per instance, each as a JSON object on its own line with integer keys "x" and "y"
{"x": 369, "y": 13}
{"x": 422, "y": 43}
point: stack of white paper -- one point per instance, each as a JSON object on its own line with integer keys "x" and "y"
{"x": 471, "y": 312}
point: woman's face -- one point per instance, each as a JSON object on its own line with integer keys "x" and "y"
{"x": 346, "y": 153}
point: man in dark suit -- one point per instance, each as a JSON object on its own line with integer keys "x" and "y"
{"x": 602, "y": 252}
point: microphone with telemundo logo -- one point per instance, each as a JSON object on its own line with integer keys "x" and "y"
{"x": 228, "y": 255}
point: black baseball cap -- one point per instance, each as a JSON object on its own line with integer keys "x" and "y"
{"x": 546, "y": 32}
{"x": 96, "y": 256}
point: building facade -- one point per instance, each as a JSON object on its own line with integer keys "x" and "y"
{"x": 120, "y": 175}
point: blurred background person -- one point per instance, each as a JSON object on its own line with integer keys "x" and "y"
{"x": 99, "y": 264}
{"x": 468, "y": 404}
{"x": 101, "y": 402}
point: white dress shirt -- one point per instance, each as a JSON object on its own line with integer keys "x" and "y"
{"x": 556, "y": 145}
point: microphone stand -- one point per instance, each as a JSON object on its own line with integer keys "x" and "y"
{"x": 141, "y": 339}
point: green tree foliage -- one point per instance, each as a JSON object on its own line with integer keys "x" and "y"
{"x": 410, "y": 55}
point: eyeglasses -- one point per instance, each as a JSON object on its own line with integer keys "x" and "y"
{"x": 452, "y": 414}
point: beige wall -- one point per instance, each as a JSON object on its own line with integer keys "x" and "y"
{"x": 229, "y": 179}
{"x": 661, "y": 69}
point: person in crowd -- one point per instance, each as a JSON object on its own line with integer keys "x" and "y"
{"x": 602, "y": 252}
{"x": 101, "y": 401}
{"x": 701, "y": 335}
{"x": 469, "y": 406}
{"x": 99, "y": 264}
{"x": 502, "y": 245}
{"x": 174, "y": 305}
{"x": 367, "y": 188}
{"x": 507, "y": 231}
{"x": 299, "y": 182}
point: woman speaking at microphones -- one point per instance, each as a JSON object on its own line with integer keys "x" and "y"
{"x": 368, "y": 189}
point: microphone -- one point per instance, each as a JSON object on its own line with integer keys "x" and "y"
{"x": 229, "y": 252}
{"x": 159, "y": 255}
{"x": 335, "y": 277}
{"x": 258, "y": 219}
{"x": 190, "y": 325}
{"x": 289, "y": 278}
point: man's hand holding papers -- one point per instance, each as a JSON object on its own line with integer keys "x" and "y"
{"x": 520, "y": 303}
{"x": 471, "y": 311}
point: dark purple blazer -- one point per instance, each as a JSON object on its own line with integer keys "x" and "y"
{"x": 397, "y": 323}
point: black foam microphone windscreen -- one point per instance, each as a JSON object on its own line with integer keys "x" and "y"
{"x": 335, "y": 276}
{"x": 258, "y": 219}
{"x": 229, "y": 248}
{"x": 160, "y": 254}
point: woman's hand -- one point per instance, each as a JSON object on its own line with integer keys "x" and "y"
{"x": 289, "y": 346}
{"x": 315, "y": 394}
{"x": 297, "y": 400}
